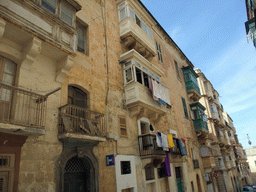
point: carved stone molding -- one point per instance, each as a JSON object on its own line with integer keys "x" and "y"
{"x": 2, "y": 27}
{"x": 63, "y": 68}
{"x": 31, "y": 50}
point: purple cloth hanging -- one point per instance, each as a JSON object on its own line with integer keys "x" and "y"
{"x": 167, "y": 165}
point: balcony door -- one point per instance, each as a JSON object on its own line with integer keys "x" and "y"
{"x": 77, "y": 97}
{"x": 178, "y": 172}
{"x": 7, "y": 78}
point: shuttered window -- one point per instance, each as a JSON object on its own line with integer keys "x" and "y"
{"x": 123, "y": 129}
{"x": 82, "y": 37}
{"x": 159, "y": 52}
{"x": 178, "y": 71}
{"x": 184, "y": 107}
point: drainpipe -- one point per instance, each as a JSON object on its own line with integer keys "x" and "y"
{"x": 103, "y": 15}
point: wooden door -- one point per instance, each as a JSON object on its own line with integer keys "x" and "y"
{"x": 178, "y": 172}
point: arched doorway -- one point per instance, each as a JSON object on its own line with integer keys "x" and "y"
{"x": 78, "y": 175}
{"x": 198, "y": 183}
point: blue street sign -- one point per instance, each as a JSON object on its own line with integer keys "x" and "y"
{"x": 110, "y": 160}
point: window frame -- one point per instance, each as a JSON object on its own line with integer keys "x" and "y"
{"x": 159, "y": 52}
{"x": 185, "y": 107}
{"x": 178, "y": 70}
{"x": 80, "y": 25}
{"x": 123, "y": 127}
{"x": 71, "y": 9}
{"x": 56, "y": 6}
{"x": 122, "y": 166}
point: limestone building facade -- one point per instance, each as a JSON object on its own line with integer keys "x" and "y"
{"x": 86, "y": 87}
{"x": 250, "y": 23}
{"x": 231, "y": 170}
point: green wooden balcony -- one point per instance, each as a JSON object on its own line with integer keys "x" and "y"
{"x": 199, "y": 125}
{"x": 190, "y": 78}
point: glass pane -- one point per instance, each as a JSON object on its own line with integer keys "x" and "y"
{"x": 132, "y": 14}
{"x": 81, "y": 40}
{"x": 150, "y": 33}
{"x": 10, "y": 67}
{"x": 8, "y": 79}
{"x": 66, "y": 18}
{"x": 5, "y": 95}
{"x": 80, "y": 95}
{"x": 128, "y": 75}
{"x": 80, "y": 103}
{"x": 66, "y": 10}
{"x": 127, "y": 64}
{"x": 138, "y": 75}
{"x": 144, "y": 27}
{"x": 50, "y": 5}
{"x": 122, "y": 13}
{"x": 136, "y": 63}
{"x": 187, "y": 77}
{"x": 138, "y": 20}
{"x": 121, "y": 5}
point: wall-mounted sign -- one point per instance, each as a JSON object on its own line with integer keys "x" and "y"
{"x": 110, "y": 160}
{"x": 206, "y": 177}
{"x": 216, "y": 174}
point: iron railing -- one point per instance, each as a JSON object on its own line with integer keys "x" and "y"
{"x": 22, "y": 107}
{"x": 74, "y": 119}
{"x": 148, "y": 146}
{"x": 196, "y": 163}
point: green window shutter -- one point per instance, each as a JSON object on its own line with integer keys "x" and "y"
{"x": 185, "y": 107}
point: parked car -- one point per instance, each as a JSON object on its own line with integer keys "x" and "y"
{"x": 248, "y": 188}
{"x": 254, "y": 187}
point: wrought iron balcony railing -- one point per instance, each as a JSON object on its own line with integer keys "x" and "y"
{"x": 148, "y": 146}
{"x": 22, "y": 107}
{"x": 74, "y": 119}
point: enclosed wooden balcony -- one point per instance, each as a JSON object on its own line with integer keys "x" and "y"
{"x": 138, "y": 96}
{"x": 148, "y": 147}
{"x": 134, "y": 37}
{"x": 192, "y": 87}
{"x": 21, "y": 111}
{"x": 207, "y": 157}
{"x": 40, "y": 19}
{"x": 77, "y": 123}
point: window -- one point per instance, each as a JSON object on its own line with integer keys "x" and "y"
{"x": 122, "y": 123}
{"x": 125, "y": 10}
{"x": 66, "y": 14}
{"x": 149, "y": 172}
{"x": 132, "y": 15}
{"x": 125, "y": 167}
{"x": 142, "y": 77}
{"x": 137, "y": 20}
{"x": 122, "y": 13}
{"x": 161, "y": 171}
{"x": 184, "y": 107}
{"x": 177, "y": 69}
{"x": 7, "y": 76}
{"x": 65, "y": 11}
{"x": 77, "y": 97}
{"x": 50, "y": 5}
{"x": 192, "y": 186}
{"x": 159, "y": 52}
{"x": 81, "y": 38}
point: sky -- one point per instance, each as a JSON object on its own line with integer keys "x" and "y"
{"x": 212, "y": 35}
